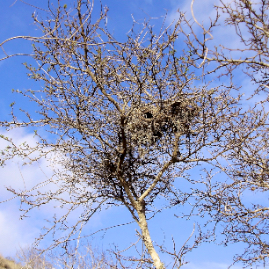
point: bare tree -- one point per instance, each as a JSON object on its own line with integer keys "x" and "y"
{"x": 87, "y": 257}
{"x": 239, "y": 204}
{"x": 246, "y": 165}
{"x": 31, "y": 259}
{"x": 126, "y": 119}
{"x": 250, "y": 22}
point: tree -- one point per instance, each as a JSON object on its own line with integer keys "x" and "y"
{"x": 250, "y": 22}
{"x": 29, "y": 258}
{"x": 243, "y": 219}
{"x": 88, "y": 258}
{"x": 128, "y": 122}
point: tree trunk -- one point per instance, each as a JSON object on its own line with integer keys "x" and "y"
{"x": 147, "y": 239}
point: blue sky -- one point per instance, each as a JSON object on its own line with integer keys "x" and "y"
{"x": 15, "y": 233}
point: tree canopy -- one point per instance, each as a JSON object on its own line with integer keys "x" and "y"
{"x": 131, "y": 119}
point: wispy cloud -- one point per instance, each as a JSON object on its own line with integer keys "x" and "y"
{"x": 14, "y": 232}
{"x": 205, "y": 12}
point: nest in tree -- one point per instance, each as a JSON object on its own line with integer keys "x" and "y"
{"x": 149, "y": 123}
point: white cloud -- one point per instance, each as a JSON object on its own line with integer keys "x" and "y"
{"x": 16, "y": 233}
{"x": 15, "y": 173}
{"x": 205, "y": 12}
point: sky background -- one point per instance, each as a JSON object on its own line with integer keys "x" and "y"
{"x": 15, "y": 233}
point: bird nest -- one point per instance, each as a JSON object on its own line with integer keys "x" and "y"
{"x": 149, "y": 123}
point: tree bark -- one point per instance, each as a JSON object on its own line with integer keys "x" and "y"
{"x": 146, "y": 237}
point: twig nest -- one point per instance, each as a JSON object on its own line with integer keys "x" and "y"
{"x": 148, "y": 123}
